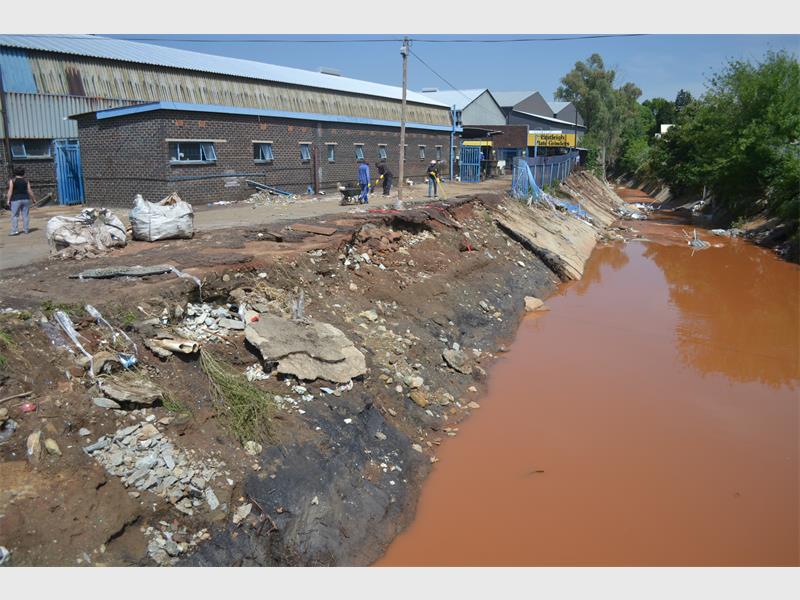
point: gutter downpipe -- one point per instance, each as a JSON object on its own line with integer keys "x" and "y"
{"x": 4, "y": 111}
{"x": 452, "y": 140}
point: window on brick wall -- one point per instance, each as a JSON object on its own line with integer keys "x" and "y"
{"x": 24, "y": 149}
{"x": 422, "y": 152}
{"x": 305, "y": 152}
{"x": 192, "y": 152}
{"x": 262, "y": 152}
{"x": 438, "y": 153}
{"x": 330, "y": 149}
{"x": 382, "y": 152}
{"x": 359, "y": 151}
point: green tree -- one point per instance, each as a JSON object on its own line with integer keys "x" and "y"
{"x": 607, "y": 111}
{"x": 663, "y": 113}
{"x": 741, "y": 138}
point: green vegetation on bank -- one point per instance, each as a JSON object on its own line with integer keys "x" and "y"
{"x": 740, "y": 141}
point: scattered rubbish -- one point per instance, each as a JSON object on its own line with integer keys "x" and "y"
{"x": 267, "y": 188}
{"x": 28, "y": 407}
{"x": 308, "y": 351}
{"x": 240, "y": 514}
{"x": 256, "y": 373}
{"x": 5, "y": 556}
{"x": 34, "y": 447}
{"x": 105, "y": 402}
{"x": 727, "y": 232}
{"x": 695, "y": 242}
{"x": 98, "y": 317}
{"x": 252, "y": 448}
{"x": 7, "y": 429}
{"x": 167, "y": 219}
{"x": 192, "y": 277}
{"x": 66, "y": 324}
{"x": 52, "y": 447}
{"x": 92, "y": 232}
{"x": 165, "y": 347}
{"x": 15, "y": 396}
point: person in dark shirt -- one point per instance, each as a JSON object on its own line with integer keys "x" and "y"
{"x": 386, "y": 175}
{"x": 19, "y": 198}
{"x": 433, "y": 176}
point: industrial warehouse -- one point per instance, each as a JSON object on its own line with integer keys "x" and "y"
{"x": 98, "y": 120}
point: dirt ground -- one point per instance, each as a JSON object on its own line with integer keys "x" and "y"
{"x": 22, "y": 250}
{"x": 339, "y": 474}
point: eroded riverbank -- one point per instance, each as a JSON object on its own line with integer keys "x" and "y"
{"x": 649, "y": 418}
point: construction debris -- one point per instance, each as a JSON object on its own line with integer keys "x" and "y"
{"x": 307, "y": 351}
{"x": 130, "y": 390}
{"x": 167, "y": 219}
{"x": 135, "y": 271}
{"x": 91, "y": 233}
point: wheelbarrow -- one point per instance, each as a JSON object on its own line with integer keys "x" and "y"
{"x": 350, "y": 193}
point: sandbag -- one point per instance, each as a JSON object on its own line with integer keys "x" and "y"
{"x": 170, "y": 218}
{"x": 91, "y": 230}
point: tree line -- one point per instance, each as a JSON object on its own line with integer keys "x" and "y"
{"x": 739, "y": 141}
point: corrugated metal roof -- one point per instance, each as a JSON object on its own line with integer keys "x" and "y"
{"x": 43, "y": 117}
{"x": 506, "y": 99}
{"x": 151, "y": 54}
{"x": 457, "y": 98}
{"x": 552, "y": 119}
{"x": 238, "y": 110}
{"x": 17, "y": 74}
{"x": 558, "y": 106}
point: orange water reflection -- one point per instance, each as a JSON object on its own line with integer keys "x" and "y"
{"x": 659, "y": 395}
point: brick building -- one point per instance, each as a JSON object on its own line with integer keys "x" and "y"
{"x": 208, "y": 153}
{"x": 44, "y": 79}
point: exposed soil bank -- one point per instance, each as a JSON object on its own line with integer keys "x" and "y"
{"x": 342, "y": 473}
{"x": 649, "y": 418}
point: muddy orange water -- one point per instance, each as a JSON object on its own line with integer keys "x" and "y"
{"x": 649, "y": 418}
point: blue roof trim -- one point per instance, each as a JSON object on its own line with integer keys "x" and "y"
{"x": 235, "y": 110}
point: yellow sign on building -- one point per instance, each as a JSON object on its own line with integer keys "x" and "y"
{"x": 477, "y": 142}
{"x": 552, "y": 140}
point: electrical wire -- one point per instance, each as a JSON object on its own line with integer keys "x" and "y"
{"x": 250, "y": 40}
{"x": 432, "y": 70}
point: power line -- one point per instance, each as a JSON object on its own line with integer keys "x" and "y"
{"x": 432, "y": 70}
{"x": 250, "y": 40}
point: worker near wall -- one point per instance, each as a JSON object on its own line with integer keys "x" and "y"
{"x": 433, "y": 176}
{"x": 363, "y": 180}
{"x": 19, "y": 198}
{"x": 386, "y": 175}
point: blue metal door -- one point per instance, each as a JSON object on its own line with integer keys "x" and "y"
{"x": 470, "y": 163}
{"x": 68, "y": 172}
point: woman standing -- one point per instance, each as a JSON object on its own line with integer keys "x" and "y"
{"x": 19, "y": 197}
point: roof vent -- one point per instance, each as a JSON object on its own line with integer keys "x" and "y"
{"x": 329, "y": 71}
{"x": 429, "y": 90}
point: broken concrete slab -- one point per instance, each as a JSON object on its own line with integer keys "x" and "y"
{"x": 135, "y": 271}
{"x": 532, "y": 303}
{"x": 308, "y": 351}
{"x": 135, "y": 390}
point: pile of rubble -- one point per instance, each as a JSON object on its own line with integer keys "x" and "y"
{"x": 168, "y": 541}
{"x": 204, "y": 322}
{"x": 145, "y": 459}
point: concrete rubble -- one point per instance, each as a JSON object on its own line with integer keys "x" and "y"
{"x": 308, "y": 351}
{"x": 144, "y": 458}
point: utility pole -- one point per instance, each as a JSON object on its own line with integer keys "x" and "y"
{"x": 404, "y": 53}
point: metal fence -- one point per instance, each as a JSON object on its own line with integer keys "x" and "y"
{"x": 548, "y": 170}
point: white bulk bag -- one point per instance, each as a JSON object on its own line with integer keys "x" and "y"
{"x": 170, "y": 218}
{"x": 91, "y": 228}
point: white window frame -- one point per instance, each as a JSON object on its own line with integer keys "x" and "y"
{"x": 439, "y": 152}
{"x": 260, "y": 144}
{"x": 359, "y": 150}
{"x": 422, "y": 151}
{"x": 25, "y": 155}
{"x": 307, "y": 147}
{"x": 330, "y": 151}
{"x": 382, "y": 152}
{"x": 208, "y": 152}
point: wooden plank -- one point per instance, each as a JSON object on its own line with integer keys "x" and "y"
{"x": 313, "y": 229}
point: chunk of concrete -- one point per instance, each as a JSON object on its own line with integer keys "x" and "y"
{"x": 457, "y": 360}
{"x": 532, "y": 303}
{"x": 134, "y": 390}
{"x": 308, "y": 351}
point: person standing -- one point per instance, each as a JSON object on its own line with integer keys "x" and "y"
{"x": 19, "y": 198}
{"x": 433, "y": 176}
{"x": 363, "y": 180}
{"x": 386, "y": 175}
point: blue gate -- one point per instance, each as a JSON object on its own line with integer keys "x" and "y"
{"x": 68, "y": 172}
{"x": 469, "y": 164}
